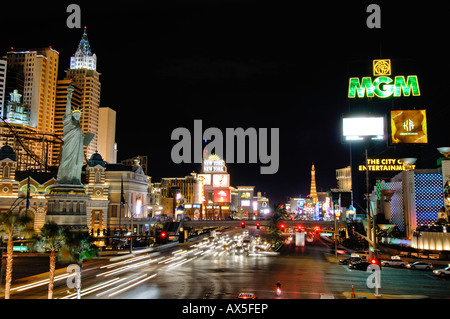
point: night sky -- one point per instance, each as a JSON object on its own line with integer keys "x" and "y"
{"x": 261, "y": 64}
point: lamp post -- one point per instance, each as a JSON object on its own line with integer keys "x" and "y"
{"x": 337, "y": 215}
{"x": 369, "y": 223}
{"x": 445, "y": 175}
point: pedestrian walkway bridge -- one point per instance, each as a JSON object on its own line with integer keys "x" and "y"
{"x": 309, "y": 224}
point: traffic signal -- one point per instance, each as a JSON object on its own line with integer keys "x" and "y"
{"x": 317, "y": 229}
{"x": 243, "y": 224}
{"x": 258, "y": 225}
{"x": 375, "y": 261}
{"x": 282, "y": 227}
{"x": 163, "y": 237}
{"x": 300, "y": 228}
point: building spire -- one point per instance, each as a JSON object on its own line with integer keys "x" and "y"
{"x": 84, "y": 48}
{"x": 83, "y": 57}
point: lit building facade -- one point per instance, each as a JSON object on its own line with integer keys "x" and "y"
{"x": 244, "y": 202}
{"x": 103, "y": 211}
{"x": 410, "y": 199}
{"x": 213, "y": 192}
{"x": 15, "y": 111}
{"x": 32, "y": 74}
{"x": 133, "y": 186}
{"x": 14, "y": 186}
{"x": 98, "y": 190}
{"x": 39, "y": 69}
{"x": 3, "y": 68}
{"x": 344, "y": 178}
{"x": 261, "y": 205}
{"x": 107, "y": 134}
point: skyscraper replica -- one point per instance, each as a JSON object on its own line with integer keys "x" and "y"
{"x": 83, "y": 72}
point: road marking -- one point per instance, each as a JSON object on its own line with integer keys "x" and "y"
{"x": 133, "y": 285}
{"x": 347, "y": 268}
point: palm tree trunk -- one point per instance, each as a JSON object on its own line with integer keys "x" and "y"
{"x": 9, "y": 264}
{"x": 52, "y": 273}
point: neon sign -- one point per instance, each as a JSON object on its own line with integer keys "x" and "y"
{"x": 383, "y": 86}
{"x": 384, "y": 165}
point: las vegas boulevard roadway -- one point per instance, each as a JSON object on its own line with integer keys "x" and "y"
{"x": 201, "y": 270}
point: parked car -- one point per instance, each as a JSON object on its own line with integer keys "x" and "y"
{"x": 419, "y": 265}
{"x": 363, "y": 254}
{"x": 246, "y": 295}
{"x": 442, "y": 272}
{"x": 360, "y": 265}
{"x": 348, "y": 260}
{"x": 394, "y": 262}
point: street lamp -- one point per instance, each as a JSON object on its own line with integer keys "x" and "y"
{"x": 444, "y": 151}
{"x": 408, "y": 162}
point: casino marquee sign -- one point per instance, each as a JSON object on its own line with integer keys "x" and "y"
{"x": 383, "y": 86}
{"x": 384, "y": 165}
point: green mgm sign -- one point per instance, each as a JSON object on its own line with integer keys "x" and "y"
{"x": 383, "y": 86}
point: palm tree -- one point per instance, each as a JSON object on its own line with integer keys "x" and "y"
{"x": 53, "y": 238}
{"x": 78, "y": 248}
{"x": 79, "y": 245}
{"x": 11, "y": 225}
{"x": 278, "y": 213}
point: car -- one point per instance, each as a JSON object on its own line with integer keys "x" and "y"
{"x": 394, "y": 262}
{"x": 442, "y": 272}
{"x": 348, "y": 260}
{"x": 419, "y": 265}
{"x": 363, "y": 254}
{"x": 359, "y": 265}
{"x": 246, "y": 295}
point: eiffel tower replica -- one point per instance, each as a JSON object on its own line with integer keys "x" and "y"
{"x": 313, "y": 192}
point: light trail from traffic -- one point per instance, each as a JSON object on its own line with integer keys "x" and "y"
{"x": 115, "y": 285}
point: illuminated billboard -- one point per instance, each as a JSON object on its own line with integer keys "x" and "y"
{"x": 359, "y": 128}
{"x": 221, "y": 180}
{"x": 201, "y": 190}
{"x": 383, "y": 86}
{"x": 206, "y": 178}
{"x": 409, "y": 126}
{"x": 246, "y": 195}
{"x": 222, "y": 196}
{"x": 245, "y": 203}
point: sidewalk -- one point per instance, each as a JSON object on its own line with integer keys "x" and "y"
{"x": 370, "y": 295}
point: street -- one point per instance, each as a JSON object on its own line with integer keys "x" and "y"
{"x": 203, "y": 271}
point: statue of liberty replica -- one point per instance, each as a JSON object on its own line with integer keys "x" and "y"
{"x": 67, "y": 201}
{"x": 72, "y": 156}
